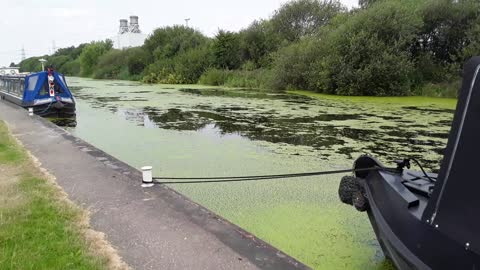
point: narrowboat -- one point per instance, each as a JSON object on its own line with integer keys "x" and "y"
{"x": 45, "y": 92}
{"x": 424, "y": 220}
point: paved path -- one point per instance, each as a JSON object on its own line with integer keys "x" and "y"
{"x": 154, "y": 228}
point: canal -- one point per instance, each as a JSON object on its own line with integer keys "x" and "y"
{"x": 204, "y": 131}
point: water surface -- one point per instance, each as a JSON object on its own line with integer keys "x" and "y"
{"x": 203, "y": 131}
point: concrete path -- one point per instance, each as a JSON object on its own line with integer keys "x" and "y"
{"x": 154, "y": 228}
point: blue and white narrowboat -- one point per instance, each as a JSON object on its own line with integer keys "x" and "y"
{"x": 45, "y": 92}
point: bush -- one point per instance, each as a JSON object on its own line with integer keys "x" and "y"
{"x": 169, "y": 41}
{"x": 189, "y": 66}
{"x": 90, "y": 55}
{"x": 137, "y": 60}
{"x": 292, "y": 65}
{"x": 214, "y": 77}
{"x": 369, "y": 54}
{"x": 444, "y": 90}
{"x": 111, "y": 64}
{"x": 255, "y": 79}
{"x": 72, "y": 68}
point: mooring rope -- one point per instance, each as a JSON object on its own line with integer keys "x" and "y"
{"x": 225, "y": 179}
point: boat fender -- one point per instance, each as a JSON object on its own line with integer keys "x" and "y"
{"x": 360, "y": 201}
{"x": 351, "y": 192}
{"x": 346, "y": 189}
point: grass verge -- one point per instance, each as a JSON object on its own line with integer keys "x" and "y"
{"x": 447, "y": 103}
{"x": 39, "y": 227}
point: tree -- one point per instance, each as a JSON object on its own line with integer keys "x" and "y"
{"x": 90, "y": 55}
{"x": 447, "y": 26}
{"x": 366, "y": 3}
{"x": 169, "y": 41}
{"x": 12, "y": 64}
{"x": 257, "y": 42}
{"x": 369, "y": 54}
{"x": 293, "y": 64}
{"x": 226, "y": 50}
{"x": 110, "y": 64}
{"x": 31, "y": 64}
{"x": 189, "y": 66}
{"x": 300, "y": 18}
{"x": 137, "y": 60}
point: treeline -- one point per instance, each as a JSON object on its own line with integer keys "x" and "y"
{"x": 385, "y": 47}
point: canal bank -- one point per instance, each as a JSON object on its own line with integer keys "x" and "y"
{"x": 153, "y": 228}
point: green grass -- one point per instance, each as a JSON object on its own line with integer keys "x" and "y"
{"x": 37, "y": 229}
{"x": 9, "y": 150}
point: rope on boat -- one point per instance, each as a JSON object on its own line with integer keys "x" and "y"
{"x": 225, "y": 179}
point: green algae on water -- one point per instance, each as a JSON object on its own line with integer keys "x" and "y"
{"x": 204, "y": 131}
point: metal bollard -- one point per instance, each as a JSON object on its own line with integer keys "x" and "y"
{"x": 147, "y": 180}
{"x": 30, "y": 111}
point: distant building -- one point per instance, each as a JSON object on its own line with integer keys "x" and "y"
{"x": 129, "y": 35}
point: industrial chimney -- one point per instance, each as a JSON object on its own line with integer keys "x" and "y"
{"x": 123, "y": 26}
{"x": 134, "y": 27}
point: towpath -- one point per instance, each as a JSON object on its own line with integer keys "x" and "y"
{"x": 155, "y": 228}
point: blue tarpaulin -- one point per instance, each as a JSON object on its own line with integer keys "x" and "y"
{"x": 36, "y": 86}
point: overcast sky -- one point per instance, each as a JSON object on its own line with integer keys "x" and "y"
{"x": 37, "y": 24}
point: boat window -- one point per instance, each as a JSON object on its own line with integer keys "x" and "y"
{"x": 32, "y": 82}
{"x": 44, "y": 90}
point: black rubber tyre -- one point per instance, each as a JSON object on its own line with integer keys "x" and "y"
{"x": 360, "y": 201}
{"x": 346, "y": 189}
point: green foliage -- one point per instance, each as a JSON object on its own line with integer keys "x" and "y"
{"x": 258, "y": 42}
{"x": 137, "y": 60}
{"x": 57, "y": 62}
{"x": 185, "y": 67}
{"x": 192, "y": 64}
{"x": 386, "y": 47}
{"x": 214, "y": 77}
{"x": 31, "y": 64}
{"x": 473, "y": 47}
{"x": 446, "y": 27}
{"x": 180, "y": 55}
{"x": 111, "y": 64}
{"x": 226, "y": 50}
{"x": 91, "y": 54}
{"x": 367, "y": 3}
{"x": 293, "y": 65}
{"x": 259, "y": 78}
{"x": 169, "y": 41}
{"x": 300, "y": 18}
{"x": 71, "y": 68}
{"x": 443, "y": 90}
{"x": 369, "y": 54}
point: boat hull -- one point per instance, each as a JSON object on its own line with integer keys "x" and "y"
{"x": 56, "y": 109}
{"x": 395, "y": 214}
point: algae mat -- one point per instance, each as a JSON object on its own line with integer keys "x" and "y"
{"x": 203, "y": 131}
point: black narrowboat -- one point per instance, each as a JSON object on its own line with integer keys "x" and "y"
{"x": 45, "y": 92}
{"x": 424, "y": 220}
